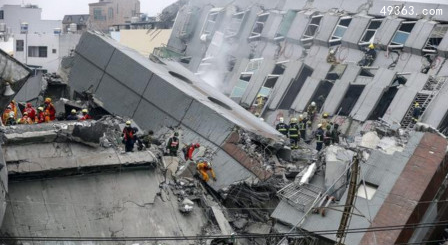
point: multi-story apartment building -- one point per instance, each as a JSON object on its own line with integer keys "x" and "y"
{"x": 107, "y": 13}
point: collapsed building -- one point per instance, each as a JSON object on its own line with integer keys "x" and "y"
{"x": 384, "y": 183}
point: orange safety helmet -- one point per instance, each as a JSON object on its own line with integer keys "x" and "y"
{"x": 47, "y": 100}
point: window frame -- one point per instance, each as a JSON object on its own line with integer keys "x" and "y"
{"x": 23, "y": 45}
{"x": 208, "y": 22}
{"x": 307, "y": 38}
{"x": 397, "y": 45}
{"x": 430, "y": 48}
{"x": 336, "y": 40}
{"x": 229, "y": 32}
{"x": 365, "y": 43}
{"x": 254, "y": 35}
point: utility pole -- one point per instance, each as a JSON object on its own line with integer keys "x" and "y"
{"x": 349, "y": 203}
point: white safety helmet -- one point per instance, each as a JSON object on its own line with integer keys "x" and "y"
{"x": 281, "y": 119}
{"x": 313, "y": 103}
{"x": 301, "y": 116}
{"x": 319, "y": 125}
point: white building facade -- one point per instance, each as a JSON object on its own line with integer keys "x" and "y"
{"x": 41, "y": 44}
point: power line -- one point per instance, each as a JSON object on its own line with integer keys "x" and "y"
{"x": 208, "y": 237}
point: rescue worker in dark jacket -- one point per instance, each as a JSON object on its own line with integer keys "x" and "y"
{"x": 282, "y": 127}
{"x": 293, "y": 131}
{"x": 311, "y": 110}
{"x": 173, "y": 145}
{"x": 319, "y": 137}
{"x": 302, "y": 127}
{"x": 328, "y": 139}
{"x": 417, "y": 112}
{"x": 335, "y": 133}
{"x": 128, "y": 137}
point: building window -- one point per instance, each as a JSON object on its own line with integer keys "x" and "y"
{"x": 435, "y": 38}
{"x": 38, "y": 52}
{"x": 369, "y": 34}
{"x": 402, "y": 34}
{"x": 111, "y": 13}
{"x": 366, "y": 190}
{"x": 241, "y": 85}
{"x": 339, "y": 31}
{"x": 98, "y": 14}
{"x": 210, "y": 23}
{"x": 311, "y": 29}
{"x": 259, "y": 25}
{"x": 19, "y": 45}
{"x": 285, "y": 25}
{"x": 1, "y": 15}
{"x": 235, "y": 24}
{"x": 53, "y": 51}
{"x": 245, "y": 77}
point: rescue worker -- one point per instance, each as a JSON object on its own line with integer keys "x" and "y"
{"x": 302, "y": 127}
{"x": 282, "y": 127}
{"x": 260, "y": 104}
{"x": 328, "y": 139}
{"x": 203, "y": 167}
{"x": 25, "y": 119}
{"x": 331, "y": 57}
{"x": 324, "y": 120}
{"x": 319, "y": 137}
{"x": 417, "y": 112}
{"x": 6, "y": 114}
{"x": 11, "y": 121}
{"x": 40, "y": 116}
{"x": 335, "y": 133}
{"x": 147, "y": 139}
{"x": 14, "y": 106}
{"x": 128, "y": 137}
{"x": 188, "y": 151}
{"x": 293, "y": 131}
{"x": 31, "y": 111}
{"x": 311, "y": 110}
{"x": 85, "y": 115}
{"x": 370, "y": 55}
{"x": 73, "y": 115}
{"x": 173, "y": 145}
{"x": 50, "y": 111}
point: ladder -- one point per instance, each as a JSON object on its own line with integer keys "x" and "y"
{"x": 423, "y": 98}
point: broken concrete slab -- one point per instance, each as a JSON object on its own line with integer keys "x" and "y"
{"x": 223, "y": 223}
{"x": 370, "y": 140}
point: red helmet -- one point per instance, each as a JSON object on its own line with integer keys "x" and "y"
{"x": 197, "y": 145}
{"x": 28, "y": 105}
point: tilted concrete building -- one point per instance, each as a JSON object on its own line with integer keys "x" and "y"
{"x": 163, "y": 94}
{"x": 279, "y": 49}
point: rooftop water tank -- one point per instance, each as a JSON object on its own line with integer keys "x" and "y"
{"x": 135, "y": 19}
{"x": 73, "y": 27}
{"x": 24, "y": 28}
{"x": 57, "y": 31}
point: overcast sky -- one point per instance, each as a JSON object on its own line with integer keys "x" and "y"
{"x": 56, "y": 9}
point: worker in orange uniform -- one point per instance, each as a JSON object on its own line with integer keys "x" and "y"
{"x": 14, "y": 106}
{"x": 203, "y": 167}
{"x": 25, "y": 119}
{"x": 85, "y": 115}
{"x": 49, "y": 109}
{"x": 30, "y": 110}
{"x": 188, "y": 151}
{"x": 40, "y": 116}
{"x": 6, "y": 114}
